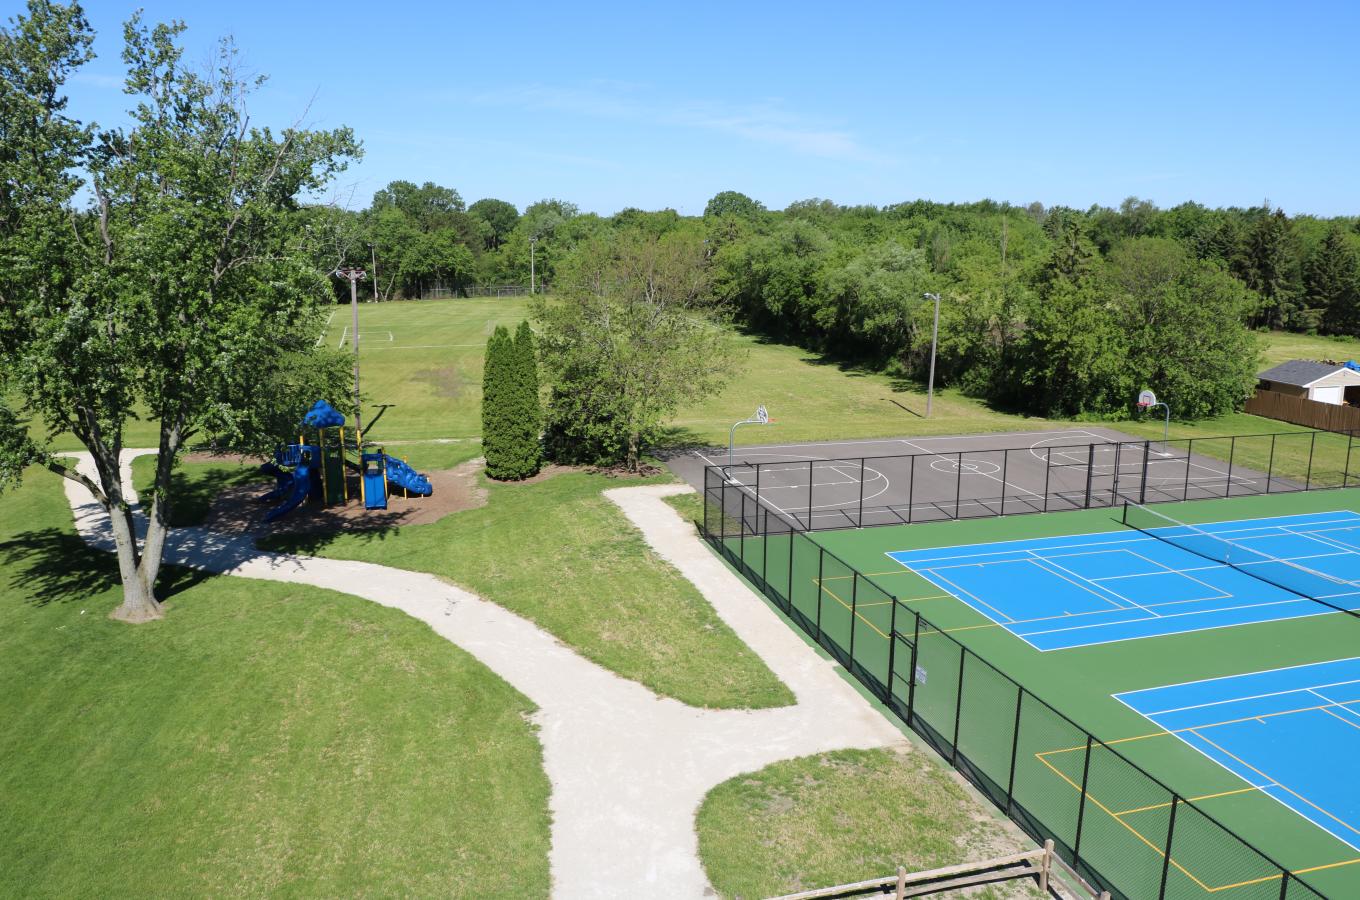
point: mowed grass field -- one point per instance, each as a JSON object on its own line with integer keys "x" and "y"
{"x": 264, "y": 739}
{"x": 421, "y": 363}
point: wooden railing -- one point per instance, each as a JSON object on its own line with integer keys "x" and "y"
{"x": 1302, "y": 411}
{"x": 1039, "y": 865}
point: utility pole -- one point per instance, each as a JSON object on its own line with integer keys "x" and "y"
{"x": 354, "y": 275}
{"x": 532, "y": 241}
{"x": 934, "y": 338}
{"x": 373, "y": 248}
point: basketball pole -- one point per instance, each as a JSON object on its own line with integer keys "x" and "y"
{"x": 934, "y": 339}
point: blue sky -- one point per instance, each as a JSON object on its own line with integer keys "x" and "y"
{"x": 653, "y": 105}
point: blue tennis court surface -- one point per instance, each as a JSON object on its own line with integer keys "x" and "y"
{"x": 1077, "y": 590}
{"x": 1293, "y": 734}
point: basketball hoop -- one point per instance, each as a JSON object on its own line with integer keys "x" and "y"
{"x": 762, "y": 417}
{"x": 1146, "y": 399}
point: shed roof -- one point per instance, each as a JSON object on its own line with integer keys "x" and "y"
{"x": 1301, "y": 372}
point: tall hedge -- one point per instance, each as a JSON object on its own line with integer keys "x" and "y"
{"x": 511, "y": 418}
{"x": 530, "y": 409}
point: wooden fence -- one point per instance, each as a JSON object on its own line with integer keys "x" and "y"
{"x": 1039, "y": 866}
{"x": 1302, "y": 411}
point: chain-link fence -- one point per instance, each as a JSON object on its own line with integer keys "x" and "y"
{"x": 1119, "y": 826}
{"x": 822, "y": 494}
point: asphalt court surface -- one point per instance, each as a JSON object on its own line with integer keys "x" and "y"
{"x": 894, "y": 480}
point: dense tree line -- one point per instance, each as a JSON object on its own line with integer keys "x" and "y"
{"x": 1054, "y": 311}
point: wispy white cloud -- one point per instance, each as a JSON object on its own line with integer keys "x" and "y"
{"x": 767, "y": 123}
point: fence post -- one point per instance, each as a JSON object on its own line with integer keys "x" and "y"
{"x": 1270, "y": 464}
{"x": 901, "y": 883}
{"x": 1284, "y": 884}
{"x": 958, "y": 706}
{"x": 958, "y": 484}
{"x": 741, "y": 533}
{"x": 854, "y": 615}
{"x": 1345, "y": 469}
{"x": 1114, "y": 480}
{"x": 810, "y": 479}
{"x": 892, "y": 653}
{"x": 1166, "y": 850}
{"x": 911, "y": 485}
{"x": 758, "y": 465}
{"x": 722, "y": 513}
{"x": 1047, "y": 865}
{"x": 911, "y": 675}
{"x": 821, "y": 559}
{"x": 708, "y": 532}
{"x": 1081, "y": 809}
{"x": 1308, "y": 478}
{"x": 1232, "y": 451}
{"x": 1015, "y": 748}
{"x": 1090, "y": 469}
{"x": 1189, "y": 451}
{"x": 1005, "y": 464}
{"x": 1142, "y": 488}
{"x": 1048, "y": 470}
{"x": 764, "y": 545}
{"x": 859, "y": 519}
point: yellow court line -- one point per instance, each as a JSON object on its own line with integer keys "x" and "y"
{"x": 1134, "y": 831}
{"x": 1245, "y": 790}
{"x": 858, "y": 615}
{"x": 1162, "y": 853}
{"x": 1283, "y": 787}
{"x": 1256, "y": 718}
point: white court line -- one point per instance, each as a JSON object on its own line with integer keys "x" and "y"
{"x": 1196, "y": 612}
{"x": 343, "y": 334}
{"x": 324, "y": 328}
{"x": 1036, "y": 560}
{"x": 941, "y": 437}
{"x": 1349, "y": 659}
{"x": 1004, "y": 484}
{"x": 961, "y": 593}
{"x": 1205, "y": 705}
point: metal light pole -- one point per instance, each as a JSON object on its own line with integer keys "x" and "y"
{"x": 354, "y": 275}
{"x": 532, "y": 242}
{"x": 373, "y": 249}
{"x": 934, "y": 338}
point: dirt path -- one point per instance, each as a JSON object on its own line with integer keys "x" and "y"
{"x": 628, "y": 768}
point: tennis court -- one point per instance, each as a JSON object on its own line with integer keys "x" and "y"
{"x": 1078, "y": 590}
{"x": 1034, "y": 653}
{"x": 1293, "y": 734}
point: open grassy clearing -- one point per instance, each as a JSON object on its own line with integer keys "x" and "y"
{"x": 1282, "y": 345}
{"x": 812, "y": 399}
{"x": 421, "y": 363}
{"x": 263, "y": 739}
{"x": 560, "y": 554}
{"x": 842, "y": 817}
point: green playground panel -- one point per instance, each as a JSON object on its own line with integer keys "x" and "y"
{"x": 1018, "y": 722}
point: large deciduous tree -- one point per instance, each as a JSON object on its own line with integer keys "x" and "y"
{"x": 158, "y": 271}
{"x": 631, "y": 339}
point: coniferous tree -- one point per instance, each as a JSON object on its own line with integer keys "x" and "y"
{"x": 1333, "y": 283}
{"x": 528, "y": 423}
{"x": 498, "y": 402}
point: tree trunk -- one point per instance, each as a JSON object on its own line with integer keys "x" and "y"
{"x": 139, "y": 598}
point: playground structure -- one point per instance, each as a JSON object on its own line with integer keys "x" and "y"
{"x": 318, "y": 469}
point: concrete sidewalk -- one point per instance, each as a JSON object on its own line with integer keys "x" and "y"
{"x": 628, "y": 768}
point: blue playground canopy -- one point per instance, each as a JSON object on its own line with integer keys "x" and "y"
{"x": 323, "y": 415}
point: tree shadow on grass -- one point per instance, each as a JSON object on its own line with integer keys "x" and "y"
{"x": 49, "y": 566}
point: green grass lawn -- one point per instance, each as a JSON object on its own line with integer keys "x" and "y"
{"x": 263, "y": 739}
{"x": 421, "y": 363}
{"x": 812, "y": 398}
{"x": 1283, "y": 345}
{"x": 842, "y": 817}
{"x": 560, "y": 554}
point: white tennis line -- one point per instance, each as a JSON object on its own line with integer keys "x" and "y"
{"x": 961, "y": 593}
{"x": 1196, "y": 612}
{"x": 1176, "y": 709}
{"x": 1343, "y": 705}
{"x": 1077, "y": 581}
{"x": 324, "y": 328}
